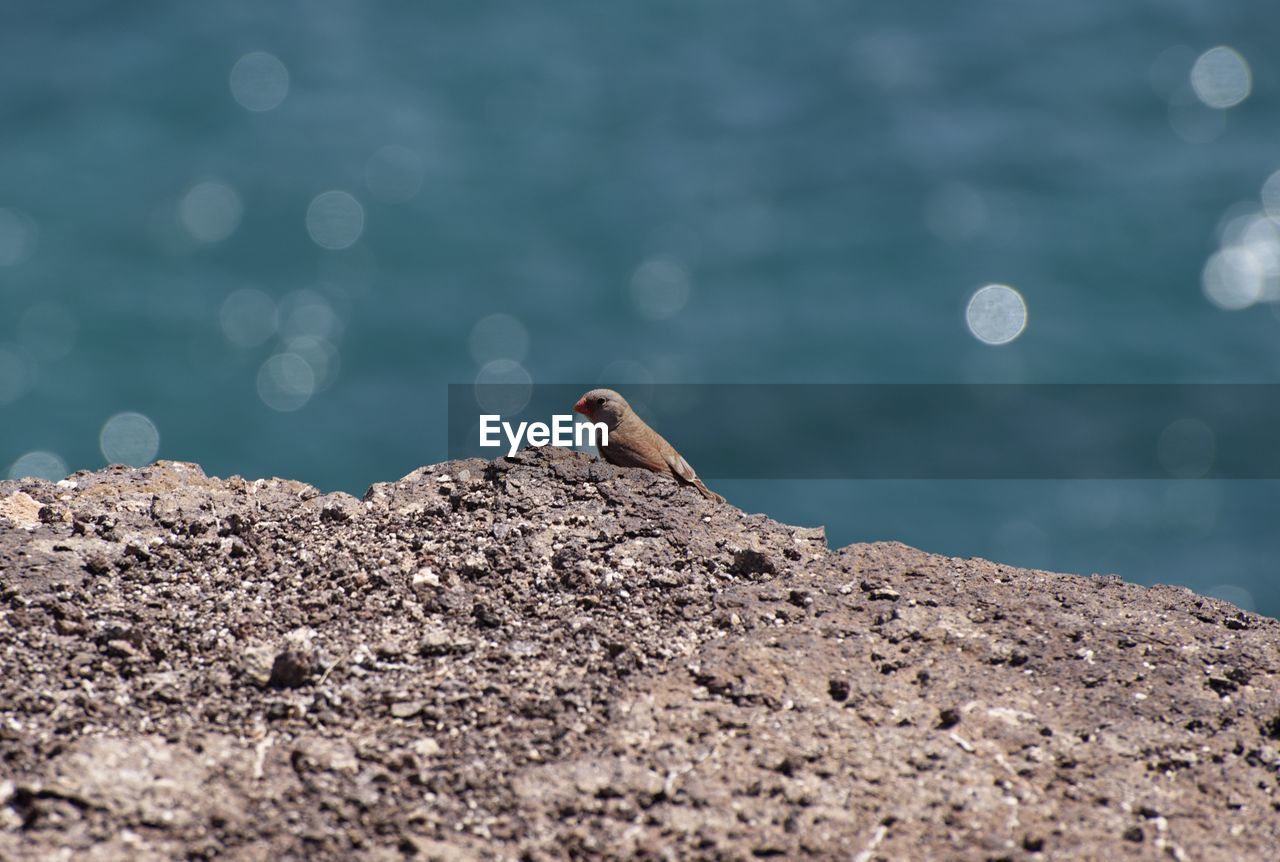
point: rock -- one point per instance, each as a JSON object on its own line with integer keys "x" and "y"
{"x": 121, "y": 649}
{"x": 165, "y": 510}
{"x": 256, "y": 661}
{"x": 748, "y": 561}
{"x": 314, "y": 754}
{"x": 144, "y": 780}
{"x": 426, "y": 577}
{"x": 406, "y": 708}
{"x": 292, "y": 668}
{"x": 21, "y": 510}
{"x": 880, "y": 592}
{"x": 335, "y": 508}
{"x": 418, "y": 847}
{"x": 426, "y": 747}
{"x": 54, "y": 515}
{"x": 550, "y": 657}
{"x": 440, "y": 642}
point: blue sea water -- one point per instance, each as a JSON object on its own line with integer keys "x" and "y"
{"x": 276, "y": 232}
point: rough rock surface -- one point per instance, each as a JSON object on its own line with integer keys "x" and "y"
{"x": 548, "y": 657}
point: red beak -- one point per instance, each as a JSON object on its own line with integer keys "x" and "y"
{"x": 581, "y": 407}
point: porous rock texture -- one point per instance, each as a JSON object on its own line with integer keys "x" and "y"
{"x": 547, "y": 657}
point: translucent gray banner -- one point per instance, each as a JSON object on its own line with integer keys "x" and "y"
{"x": 923, "y": 431}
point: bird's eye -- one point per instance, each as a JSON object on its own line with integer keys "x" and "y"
{"x": 600, "y": 402}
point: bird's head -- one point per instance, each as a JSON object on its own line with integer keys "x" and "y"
{"x": 603, "y": 405}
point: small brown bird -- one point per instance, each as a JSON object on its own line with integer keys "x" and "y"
{"x": 632, "y": 443}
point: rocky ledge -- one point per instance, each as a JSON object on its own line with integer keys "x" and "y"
{"x": 547, "y": 657}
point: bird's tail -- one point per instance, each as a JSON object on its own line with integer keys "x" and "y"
{"x": 707, "y": 492}
{"x": 684, "y": 473}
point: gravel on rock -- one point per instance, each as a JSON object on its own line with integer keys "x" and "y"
{"x": 546, "y": 657}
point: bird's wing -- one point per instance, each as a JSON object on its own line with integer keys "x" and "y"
{"x": 679, "y": 467}
{"x": 620, "y": 451}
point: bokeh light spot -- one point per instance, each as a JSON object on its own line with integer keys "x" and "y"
{"x": 129, "y": 438}
{"x": 210, "y": 211}
{"x": 394, "y": 174}
{"x": 1235, "y": 222}
{"x": 248, "y": 317}
{"x": 259, "y": 81}
{"x": 1271, "y": 195}
{"x": 1221, "y": 77}
{"x": 1233, "y": 278}
{"x": 305, "y": 312}
{"x": 320, "y": 354}
{"x": 499, "y": 336}
{"x": 286, "y": 382}
{"x": 38, "y": 465}
{"x": 659, "y": 288}
{"x": 335, "y": 219}
{"x": 1261, "y": 238}
{"x": 1186, "y": 448}
{"x": 503, "y": 387}
{"x": 996, "y": 314}
{"x": 17, "y": 236}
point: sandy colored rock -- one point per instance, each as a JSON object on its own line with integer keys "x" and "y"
{"x": 546, "y": 656}
{"x": 20, "y": 509}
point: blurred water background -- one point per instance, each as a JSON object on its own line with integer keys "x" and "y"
{"x": 265, "y": 236}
